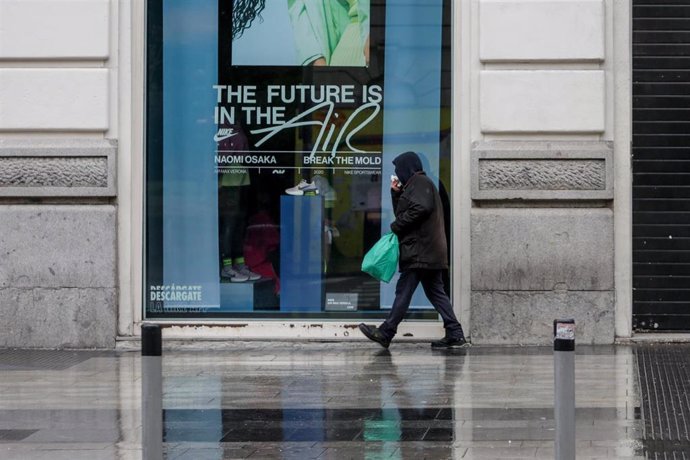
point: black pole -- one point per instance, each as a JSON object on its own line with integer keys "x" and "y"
{"x": 151, "y": 340}
{"x": 151, "y": 392}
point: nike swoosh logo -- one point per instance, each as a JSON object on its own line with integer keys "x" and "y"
{"x": 222, "y": 136}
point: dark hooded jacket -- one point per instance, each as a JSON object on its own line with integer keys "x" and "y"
{"x": 418, "y": 217}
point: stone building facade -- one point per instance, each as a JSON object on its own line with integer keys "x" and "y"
{"x": 541, "y": 172}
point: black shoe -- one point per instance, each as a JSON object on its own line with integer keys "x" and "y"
{"x": 450, "y": 342}
{"x": 373, "y": 333}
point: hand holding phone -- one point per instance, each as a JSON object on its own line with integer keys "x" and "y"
{"x": 395, "y": 183}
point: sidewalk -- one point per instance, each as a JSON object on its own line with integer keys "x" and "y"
{"x": 340, "y": 400}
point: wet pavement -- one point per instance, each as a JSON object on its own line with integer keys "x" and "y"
{"x": 339, "y": 400}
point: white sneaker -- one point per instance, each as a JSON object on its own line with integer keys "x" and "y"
{"x": 302, "y": 188}
{"x": 245, "y": 271}
{"x": 235, "y": 277}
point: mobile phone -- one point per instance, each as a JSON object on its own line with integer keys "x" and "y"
{"x": 394, "y": 178}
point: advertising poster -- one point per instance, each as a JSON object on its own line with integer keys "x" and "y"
{"x": 271, "y": 130}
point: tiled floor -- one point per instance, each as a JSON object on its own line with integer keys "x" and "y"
{"x": 338, "y": 400}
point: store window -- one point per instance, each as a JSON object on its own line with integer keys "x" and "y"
{"x": 271, "y": 130}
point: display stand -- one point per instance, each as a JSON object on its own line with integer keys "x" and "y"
{"x": 247, "y": 296}
{"x": 301, "y": 253}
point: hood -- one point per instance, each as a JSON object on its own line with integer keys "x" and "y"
{"x": 407, "y": 165}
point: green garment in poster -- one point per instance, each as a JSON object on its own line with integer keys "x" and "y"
{"x": 238, "y": 178}
{"x": 336, "y": 30}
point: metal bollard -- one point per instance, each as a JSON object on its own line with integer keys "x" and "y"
{"x": 151, "y": 392}
{"x": 564, "y": 388}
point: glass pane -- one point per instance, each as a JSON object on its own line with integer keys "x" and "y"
{"x": 271, "y": 130}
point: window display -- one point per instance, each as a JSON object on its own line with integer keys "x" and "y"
{"x": 271, "y": 130}
{"x": 302, "y": 32}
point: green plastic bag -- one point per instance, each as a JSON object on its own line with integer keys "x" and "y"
{"x": 381, "y": 261}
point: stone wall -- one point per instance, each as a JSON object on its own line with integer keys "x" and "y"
{"x": 58, "y": 209}
{"x": 57, "y": 276}
{"x": 533, "y": 265}
{"x": 542, "y": 152}
{"x": 542, "y": 241}
{"x": 58, "y": 233}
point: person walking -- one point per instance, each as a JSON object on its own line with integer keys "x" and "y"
{"x": 423, "y": 253}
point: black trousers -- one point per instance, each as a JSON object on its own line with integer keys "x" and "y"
{"x": 232, "y": 214}
{"x": 432, "y": 282}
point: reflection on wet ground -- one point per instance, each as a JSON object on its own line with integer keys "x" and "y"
{"x": 338, "y": 400}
